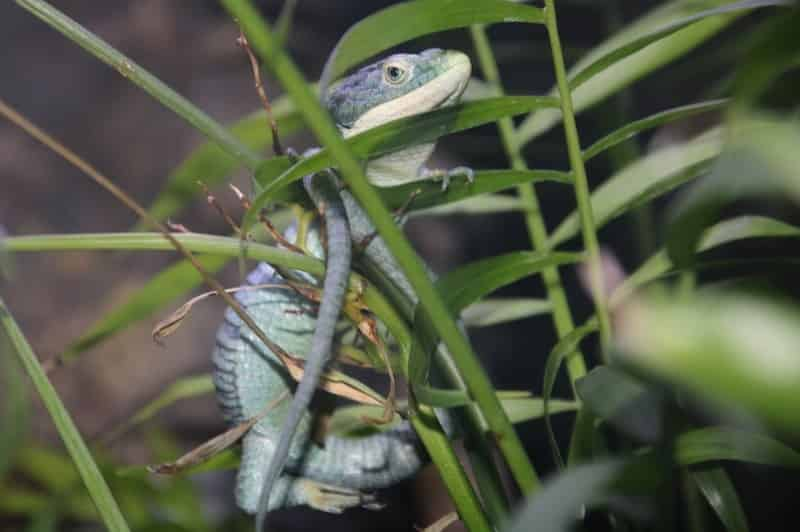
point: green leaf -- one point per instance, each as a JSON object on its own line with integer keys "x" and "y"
{"x": 735, "y": 349}
{"x": 773, "y": 51}
{"x": 631, "y": 53}
{"x": 469, "y": 283}
{"x": 556, "y": 507}
{"x": 522, "y": 409}
{"x": 718, "y": 490}
{"x": 409, "y": 20}
{"x": 53, "y": 470}
{"x": 565, "y": 347}
{"x": 623, "y": 401}
{"x": 476, "y": 205}
{"x": 645, "y": 179}
{"x": 196, "y": 242}
{"x": 602, "y": 63}
{"x": 283, "y": 25}
{"x": 459, "y": 289}
{"x": 503, "y": 310}
{"x": 429, "y": 193}
{"x": 183, "y": 388}
{"x": 92, "y": 478}
{"x": 161, "y": 290}
{"x": 760, "y": 159}
{"x": 273, "y": 176}
{"x": 653, "y": 121}
{"x": 724, "y": 232}
{"x": 349, "y": 421}
{"x": 721, "y": 443}
{"x": 165, "y": 287}
{"x": 15, "y": 407}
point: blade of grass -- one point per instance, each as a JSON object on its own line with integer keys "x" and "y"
{"x": 276, "y": 174}
{"x": 403, "y": 22}
{"x": 16, "y": 407}
{"x": 581, "y": 183}
{"x": 625, "y": 69}
{"x": 82, "y": 458}
{"x": 720, "y": 493}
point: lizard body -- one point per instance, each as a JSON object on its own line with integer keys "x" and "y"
{"x": 248, "y": 376}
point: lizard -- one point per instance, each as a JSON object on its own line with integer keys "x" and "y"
{"x": 395, "y": 87}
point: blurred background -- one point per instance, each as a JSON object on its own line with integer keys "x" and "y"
{"x": 132, "y": 139}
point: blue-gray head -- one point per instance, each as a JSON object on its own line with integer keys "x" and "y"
{"x": 398, "y": 86}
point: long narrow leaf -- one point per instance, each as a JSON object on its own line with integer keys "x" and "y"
{"x": 567, "y": 346}
{"x": 557, "y": 506}
{"x": 275, "y": 174}
{"x": 90, "y": 473}
{"x": 631, "y": 53}
{"x": 183, "y": 388}
{"x": 469, "y": 283}
{"x": 760, "y": 159}
{"x": 16, "y": 407}
{"x": 721, "y": 443}
{"x": 168, "y": 285}
{"x": 656, "y": 120}
{"x": 725, "y": 232}
{"x": 210, "y": 244}
{"x": 720, "y": 493}
{"x": 429, "y": 194}
{"x": 737, "y": 349}
{"x": 645, "y": 179}
{"x": 403, "y": 22}
{"x": 503, "y": 310}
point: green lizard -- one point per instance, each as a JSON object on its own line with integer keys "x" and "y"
{"x": 332, "y": 476}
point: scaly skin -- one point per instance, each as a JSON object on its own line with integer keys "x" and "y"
{"x": 248, "y": 376}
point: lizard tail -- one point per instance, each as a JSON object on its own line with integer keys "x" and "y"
{"x": 339, "y": 249}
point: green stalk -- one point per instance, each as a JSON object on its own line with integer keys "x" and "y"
{"x": 478, "y": 384}
{"x": 211, "y": 245}
{"x": 144, "y": 79}
{"x": 562, "y": 316}
{"x": 199, "y": 243}
{"x": 581, "y": 184}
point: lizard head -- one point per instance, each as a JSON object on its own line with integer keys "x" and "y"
{"x": 398, "y": 86}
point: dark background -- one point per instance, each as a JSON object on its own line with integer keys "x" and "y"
{"x": 132, "y": 139}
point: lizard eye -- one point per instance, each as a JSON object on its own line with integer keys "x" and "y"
{"x": 395, "y": 74}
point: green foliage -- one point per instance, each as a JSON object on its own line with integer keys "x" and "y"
{"x": 635, "y": 432}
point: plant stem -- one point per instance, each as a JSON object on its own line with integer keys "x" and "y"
{"x": 478, "y": 384}
{"x": 581, "y": 184}
{"x": 144, "y": 79}
{"x": 562, "y": 317}
{"x": 439, "y": 447}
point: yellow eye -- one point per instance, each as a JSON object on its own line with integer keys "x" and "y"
{"x": 394, "y": 74}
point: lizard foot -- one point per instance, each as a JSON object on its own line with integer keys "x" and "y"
{"x": 335, "y": 499}
{"x": 446, "y": 175}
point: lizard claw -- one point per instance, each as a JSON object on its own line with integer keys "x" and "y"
{"x": 447, "y": 175}
{"x": 335, "y": 499}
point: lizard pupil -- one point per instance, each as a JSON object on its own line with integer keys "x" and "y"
{"x": 394, "y": 74}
